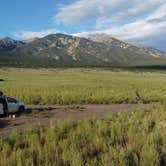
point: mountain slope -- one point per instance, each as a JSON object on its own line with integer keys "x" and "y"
{"x": 110, "y": 41}
{"x": 9, "y": 44}
{"x": 60, "y": 50}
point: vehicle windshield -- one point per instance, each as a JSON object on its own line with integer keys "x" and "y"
{"x": 11, "y": 100}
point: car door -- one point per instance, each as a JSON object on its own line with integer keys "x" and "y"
{"x": 2, "y": 100}
{"x": 12, "y": 105}
{"x": 1, "y": 109}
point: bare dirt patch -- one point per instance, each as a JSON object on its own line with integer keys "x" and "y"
{"x": 36, "y": 114}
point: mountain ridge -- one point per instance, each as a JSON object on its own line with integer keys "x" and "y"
{"x": 8, "y": 43}
{"x": 109, "y": 40}
{"x": 60, "y": 50}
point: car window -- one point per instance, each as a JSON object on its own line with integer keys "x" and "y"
{"x": 11, "y": 100}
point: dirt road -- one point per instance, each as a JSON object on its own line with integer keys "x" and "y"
{"x": 43, "y": 114}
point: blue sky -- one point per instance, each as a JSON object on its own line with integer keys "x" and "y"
{"x": 133, "y": 21}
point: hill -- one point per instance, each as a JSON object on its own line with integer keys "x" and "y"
{"x": 7, "y": 44}
{"x": 60, "y": 50}
{"x": 110, "y": 41}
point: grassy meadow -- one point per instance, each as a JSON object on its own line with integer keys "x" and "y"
{"x": 82, "y": 86}
{"x": 134, "y": 138}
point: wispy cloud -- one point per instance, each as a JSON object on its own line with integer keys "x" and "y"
{"x": 84, "y": 11}
{"x": 31, "y": 34}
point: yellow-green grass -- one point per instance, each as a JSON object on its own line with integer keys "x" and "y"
{"x": 78, "y": 86}
{"x": 134, "y": 138}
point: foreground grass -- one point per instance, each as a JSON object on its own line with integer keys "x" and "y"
{"x": 81, "y": 86}
{"x": 136, "y": 138}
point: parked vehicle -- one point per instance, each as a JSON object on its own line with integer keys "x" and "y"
{"x": 14, "y": 106}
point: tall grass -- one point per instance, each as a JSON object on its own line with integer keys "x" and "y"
{"x": 67, "y": 86}
{"x": 135, "y": 138}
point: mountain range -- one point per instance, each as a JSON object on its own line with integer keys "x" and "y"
{"x": 61, "y": 50}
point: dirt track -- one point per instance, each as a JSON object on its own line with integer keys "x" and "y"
{"x": 43, "y": 114}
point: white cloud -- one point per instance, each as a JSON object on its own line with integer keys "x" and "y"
{"x": 139, "y": 9}
{"x": 84, "y": 11}
{"x": 103, "y": 12}
{"x": 31, "y": 34}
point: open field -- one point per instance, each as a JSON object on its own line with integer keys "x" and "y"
{"x": 134, "y": 138}
{"x": 117, "y": 134}
{"x": 83, "y": 86}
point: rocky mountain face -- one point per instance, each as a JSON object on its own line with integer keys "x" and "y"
{"x": 60, "y": 50}
{"x": 110, "y": 41}
{"x": 30, "y": 40}
{"x": 7, "y": 44}
{"x": 153, "y": 52}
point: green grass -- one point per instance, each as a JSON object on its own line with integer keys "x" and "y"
{"x": 135, "y": 138}
{"x": 75, "y": 86}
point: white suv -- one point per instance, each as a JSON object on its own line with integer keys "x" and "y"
{"x": 14, "y": 106}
